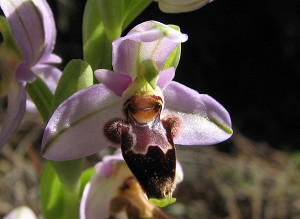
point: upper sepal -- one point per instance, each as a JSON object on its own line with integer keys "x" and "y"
{"x": 180, "y": 6}
{"x": 150, "y": 40}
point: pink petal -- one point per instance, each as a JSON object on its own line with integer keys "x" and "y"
{"x": 101, "y": 189}
{"x": 33, "y": 26}
{"x": 148, "y": 40}
{"x": 76, "y": 128}
{"x": 49, "y": 32}
{"x": 117, "y": 82}
{"x": 204, "y": 120}
{"x": 15, "y": 111}
{"x": 52, "y": 58}
{"x": 180, "y": 6}
{"x": 165, "y": 77}
{"x": 153, "y": 30}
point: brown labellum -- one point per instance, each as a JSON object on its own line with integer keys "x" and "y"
{"x": 147, "y": 143}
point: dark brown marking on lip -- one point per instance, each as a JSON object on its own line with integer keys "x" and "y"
{"x": 147, "y": 143}
{"x": 154, "y": 170}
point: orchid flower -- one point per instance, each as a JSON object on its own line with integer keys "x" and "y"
{"x": 180, "y": 6}
{"x": 26, "y": 52}
{"x": 21, "y": 212}
{"x": 138, "y": 107}
{"x": 114, "y": 191}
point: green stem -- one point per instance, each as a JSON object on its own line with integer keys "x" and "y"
{"x": 71, "y": 203}
{"x": 69, "y": 176}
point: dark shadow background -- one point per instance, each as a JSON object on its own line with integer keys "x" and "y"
{"x": 244, "y": 53}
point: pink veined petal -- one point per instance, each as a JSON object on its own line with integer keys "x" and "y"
{"x": 49, "y": 32}
{"x": 180, "y": 6}
{"x": 117, "y": 82}
{"x": 153, "y": 30}
{"x": 149, "y": 40}
{"x": 125, "y": 56}
{"x": 204, "y": 120}
{"x": 33, "y": 25}
{"x": 158, "y": 51}
{"x": 76, "y": 128}
{"x": 15, "y": 111}
{"x": 27, "y": 25}
{"x": 165, "y": 77}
